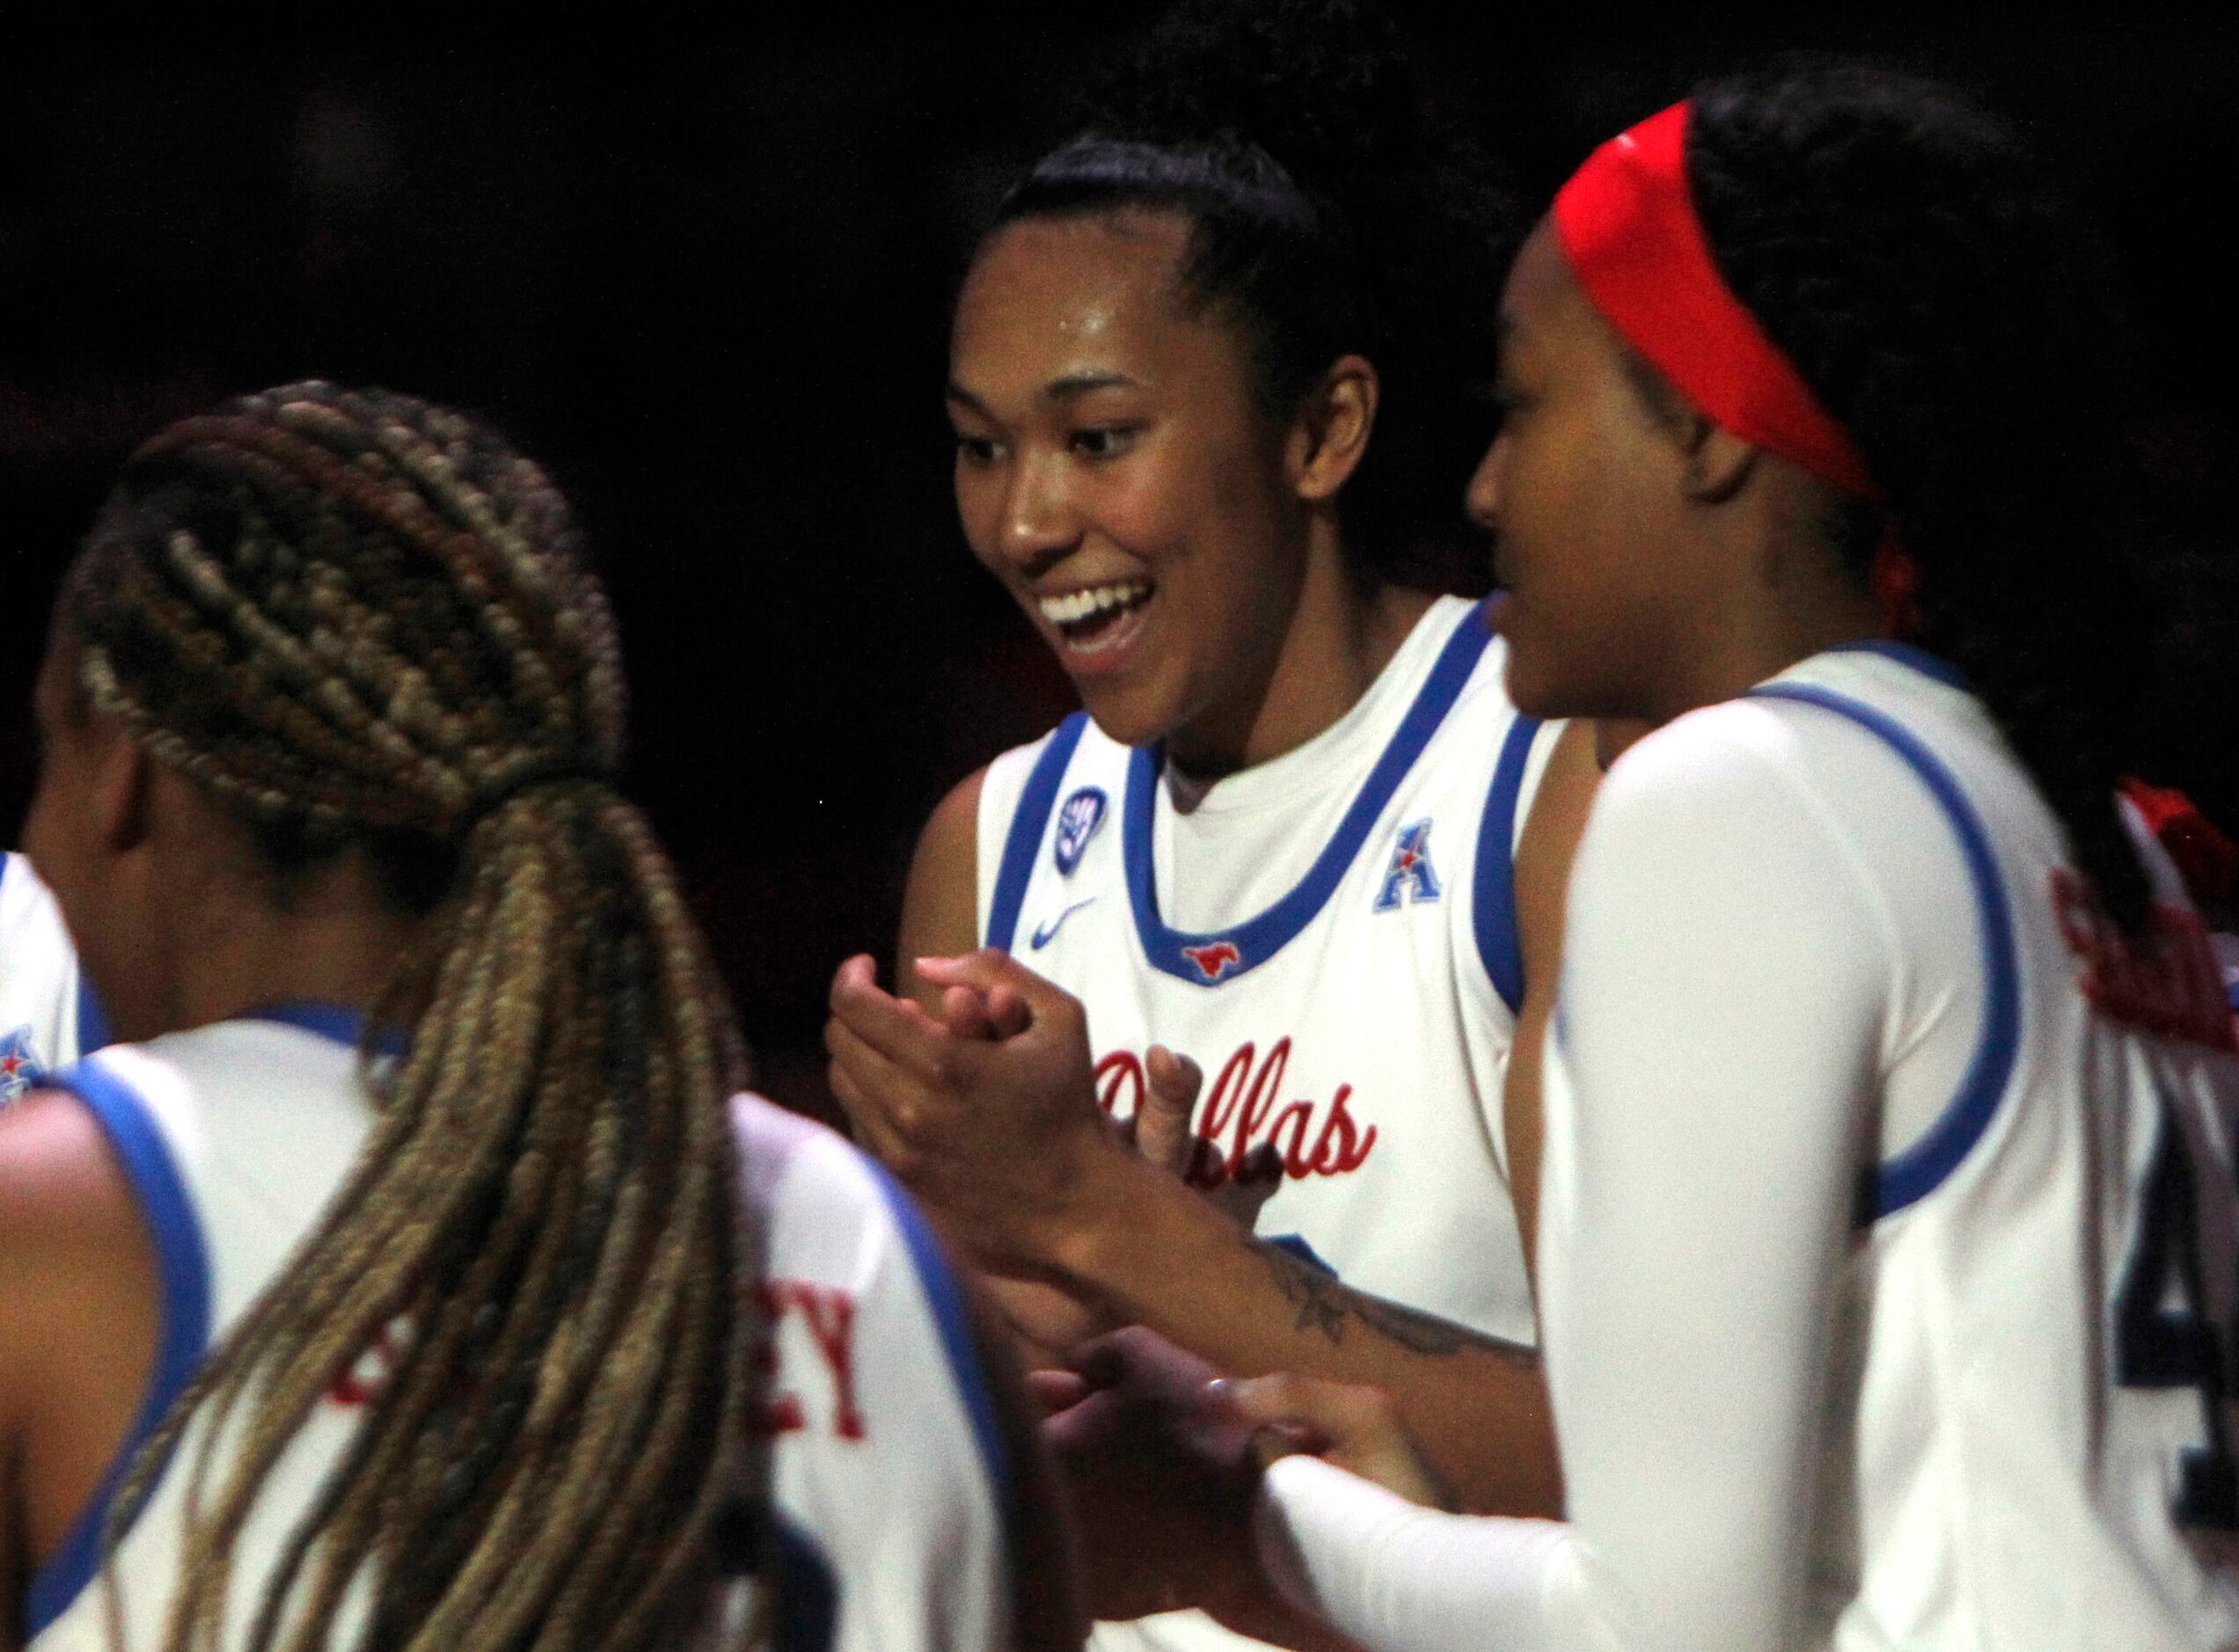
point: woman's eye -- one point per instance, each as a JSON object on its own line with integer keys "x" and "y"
{"x": 975, "y": 450}
{"x": 1102, "y": 442}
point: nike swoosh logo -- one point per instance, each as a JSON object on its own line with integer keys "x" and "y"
{"x": 1047, "y": 933}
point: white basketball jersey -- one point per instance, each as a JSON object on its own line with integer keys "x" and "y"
{"x": 1331, "y": 935}
{"x": 886, "y": 1475}
{"x": 45, "y": 1012}
{"x": 2028, "y": 1438}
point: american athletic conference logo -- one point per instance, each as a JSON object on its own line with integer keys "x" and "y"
{"x": 20, "y": 1067}
{"x": 1411, "y": 876}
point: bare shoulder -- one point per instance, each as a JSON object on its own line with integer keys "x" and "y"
{"x": 58, "y": 1177}
{"x": 73, "y": 1245}
{"x": 941, "y": 906}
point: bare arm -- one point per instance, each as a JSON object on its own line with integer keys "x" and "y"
{"x": 1006, "y": 1140}
{"x": 940, "y": 905}
{"x": 79, "y": 1317}
{"x": 1559, "y": 810}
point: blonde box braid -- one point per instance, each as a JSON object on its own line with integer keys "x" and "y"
{"x": 360, "y": 619}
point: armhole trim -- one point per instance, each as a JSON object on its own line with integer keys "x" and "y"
{"x": 1493, "y": 897}
{"x": 183, "y": 1272}
{"x": 808, "y": 1614}
{"x": 1913, "y": 1175}
{"x": 1029, "y": 822}
{"x": 946, "y": 1299}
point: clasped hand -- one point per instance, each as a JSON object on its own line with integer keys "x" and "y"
{"x": 987, "y": 1112}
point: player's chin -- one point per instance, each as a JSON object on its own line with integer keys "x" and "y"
{"x": 1540, "y": 679}
{"x": 1133, "y": 712}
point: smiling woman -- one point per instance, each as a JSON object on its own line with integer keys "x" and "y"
{"x": 1212, "y": 379}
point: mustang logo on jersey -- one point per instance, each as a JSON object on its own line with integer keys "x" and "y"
{"x": 1240, "y": 1111}
{"x": 1411, "y": 876}
{"x": 1215, "y": 959}
{"x": 20, "y": 1065}
{"x": 1078, "y": 819}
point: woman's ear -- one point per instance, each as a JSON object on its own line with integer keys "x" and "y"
{"x": 1331, "y": 431}
{"x": 1716, "y": 461}
{"x": 118, "y": 799}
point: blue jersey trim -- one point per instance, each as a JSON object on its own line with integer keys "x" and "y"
{"x": 1915, "y": 1172}
{"x": 946, "y": 1299}
{"x": 336, "y": 1023}
{"x": 807, "y": 1618}
{"x": 92, "y": 1021}
{"x": 1494, "y": 899}
{"x": 1225, "y": 954}
{"x": 182, "y": 1266}
{"x": 1027, "y": 823}
{"x": 1905, "y": 653}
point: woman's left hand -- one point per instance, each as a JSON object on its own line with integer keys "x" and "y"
{"x": 999, "y": 1132}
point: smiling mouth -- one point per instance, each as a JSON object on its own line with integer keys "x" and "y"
{"x": 1096, "y": 617}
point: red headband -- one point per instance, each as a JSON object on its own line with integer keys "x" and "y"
{"x": 1628, "y": 225}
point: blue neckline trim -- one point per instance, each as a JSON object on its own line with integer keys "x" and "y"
{"x": 183, "y": 1274}
{"x": 337, "y": 1023}
{"x": 1493, "y": 904}
{"x": 92, "y": 1021}
{"x": 1027, "y": 823}
{"x": 1905, "y": 653}
{"x": 1920, "y": 1168}
{"x": 1225, "y": 954}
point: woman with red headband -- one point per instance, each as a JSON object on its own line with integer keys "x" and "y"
{"x": 1888, "y": 1245}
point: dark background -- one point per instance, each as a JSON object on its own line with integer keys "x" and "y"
{"x": 702, "y": 271}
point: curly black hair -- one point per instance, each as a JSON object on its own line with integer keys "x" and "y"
{"x": 1331, "y": 212}
{"x": 1912, "y": 259}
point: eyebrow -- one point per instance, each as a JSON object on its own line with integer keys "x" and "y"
{"x": 1070, "y": 387}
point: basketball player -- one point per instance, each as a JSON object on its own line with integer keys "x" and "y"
{"x": 405, "y": 1273}
{"x": 1207, "y": 373}
{"x": 1889, "y": 1246}
{"x": 46, "y": 1015}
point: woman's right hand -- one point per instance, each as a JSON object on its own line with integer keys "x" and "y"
{"x": 1353, "y": 1425}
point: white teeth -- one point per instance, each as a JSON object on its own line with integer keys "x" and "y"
{"x": 1074, "y": 606}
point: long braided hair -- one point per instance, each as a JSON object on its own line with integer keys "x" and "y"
{"x": 363, "y": 620}
{"x": 1907, "y": 254}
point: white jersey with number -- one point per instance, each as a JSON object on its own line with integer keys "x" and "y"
{"x": 1332, "y": 936}
{"x": 46, "y": 1013}
{"x": 1890, "y": 1246}
{"x": 887, "y": 1475}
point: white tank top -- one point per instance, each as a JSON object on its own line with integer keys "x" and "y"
{"x": 888, "y": 1479}
{"x": 47, "y": 1016}
{"x": 1332, "y": 936}
{"x": 1889, "y": 1245}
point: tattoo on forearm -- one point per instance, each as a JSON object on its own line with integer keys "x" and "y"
{"x": 1326, "y": 1304}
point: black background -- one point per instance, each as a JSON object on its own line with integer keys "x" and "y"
{"x": 703, "y": 270}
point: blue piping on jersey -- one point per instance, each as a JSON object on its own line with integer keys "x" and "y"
{"x": 1493, "y": 901}
{"x": 1905, "y": 653}
{"x": 183, "y": 1271}
{"x": 1028, "y": 822}
{"x": 954, "y": 1322}
{"x": 808, "y": 1591}
{"x": 92, "y": 1021}
{"x": 336, "y": 1023}
{"x": 1257, "y": 939}
{"x": 1915, "y": 1172}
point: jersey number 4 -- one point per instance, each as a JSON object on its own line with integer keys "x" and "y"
{"x": 2160, "y": 1345}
